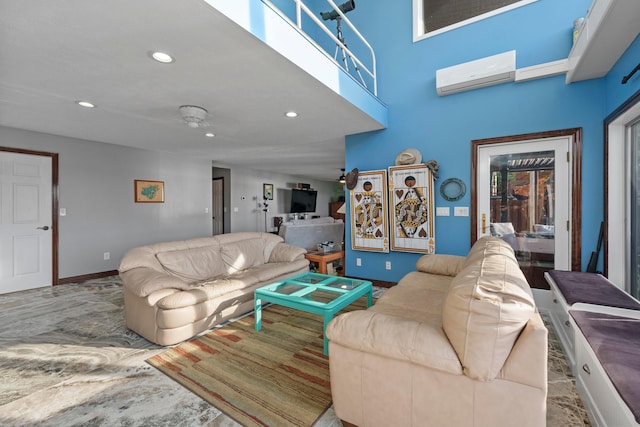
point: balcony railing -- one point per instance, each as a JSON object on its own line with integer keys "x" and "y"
{"x": 343, "y": 56}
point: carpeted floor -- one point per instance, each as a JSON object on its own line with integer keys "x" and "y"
{"x": 66, "y": 359}
{"x": 278, "y": 376}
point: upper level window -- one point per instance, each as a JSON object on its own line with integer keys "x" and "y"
{"x": 431, "y": 17}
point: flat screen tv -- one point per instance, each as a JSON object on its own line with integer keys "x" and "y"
{"x": 303, "y": 201}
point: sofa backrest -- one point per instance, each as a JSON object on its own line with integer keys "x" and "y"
{"x": 487, "y": 306}
{"x": 308, "y": 233}
{"x": 205, "y": 257}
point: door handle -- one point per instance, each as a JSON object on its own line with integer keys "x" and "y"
{"x": 45, "y": 228}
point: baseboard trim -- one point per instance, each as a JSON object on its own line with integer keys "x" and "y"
{"x": 374, "y": 282}
{"x": 84, "y": 277}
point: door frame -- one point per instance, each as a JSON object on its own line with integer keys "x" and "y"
{"x": 615, "y": 189}
{"x": 54, "y": 204}
{"x": 576, "y": 183}
{"x": 218, "y": 178}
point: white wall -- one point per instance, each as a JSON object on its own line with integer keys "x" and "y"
{"x": 96, "y": 188}
{"x": 247, "y": 184}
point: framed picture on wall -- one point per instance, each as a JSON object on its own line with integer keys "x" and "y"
{"x": 148, "y": 191}
{"x": 369, "y": 219}
{"x": 267, "y": 191}
{"x": 412, "y": 209}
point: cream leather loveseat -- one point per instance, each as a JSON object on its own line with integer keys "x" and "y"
{"x": 458, "y": 342}
{"x": 175, "y": 290}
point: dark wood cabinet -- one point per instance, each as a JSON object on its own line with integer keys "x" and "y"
{"x": 333, "y": 210}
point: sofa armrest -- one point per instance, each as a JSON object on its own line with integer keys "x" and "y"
{"x": 527, "y": 362}
{"x": 396, "y": 338}
{"x": 144, "y": 281}
{"x": 284, "y": 252}
{"x": 445, "y": 265}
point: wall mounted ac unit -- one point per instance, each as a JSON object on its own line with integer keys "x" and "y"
{"x": 483, "y": 72}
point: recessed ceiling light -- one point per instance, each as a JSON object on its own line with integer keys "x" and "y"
{"x": 165, "y": 58}
{"x": 291, "y": 114}
{"x": 209, "y": 135}
{"x": 85, "y": 104}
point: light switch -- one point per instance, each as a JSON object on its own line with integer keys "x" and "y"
{"x": 443, "y": 211}
{"x": 461, "y": 211}
{"x": 63, "y": 211}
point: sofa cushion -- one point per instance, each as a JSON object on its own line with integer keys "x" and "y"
{"x": 283, "y": 252}
{"x": 269, "y": 272}
{"x": 193, "y": 264}
{"x": 243, "y": 254}
{"x": 418, "y": 296}
{"x": 487, "y": 245}
{"x": 395, "y": 337}
{"x": 204, "y": 291}
{"x": 445, "y": 265}
{"x": 487, "y": 307}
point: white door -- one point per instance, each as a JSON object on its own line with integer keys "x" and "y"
{"x": 25, "y": 222}
{"x": 524, "y": 197}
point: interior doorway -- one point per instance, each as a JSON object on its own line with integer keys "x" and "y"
{"x": 28, "y": 226}
{"x": 523, "y": 191}
{"x": 218, "y": 206}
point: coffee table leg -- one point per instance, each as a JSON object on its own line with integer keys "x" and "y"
{"x": 257, "y": 304}
{"x": 327, "y": 319}
{"x": 370, "y": 297}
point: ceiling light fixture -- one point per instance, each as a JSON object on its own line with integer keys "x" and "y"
{"x": 342, "y": 178}
{"x": 86, "y": 104}
{"x": 162, "y": 57}
{"x": 193, "y": 116}
{"x": 291, "y": 114}
{"x": 209, "y": 135}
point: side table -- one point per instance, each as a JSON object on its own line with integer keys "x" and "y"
{"x": 323, "y": 258}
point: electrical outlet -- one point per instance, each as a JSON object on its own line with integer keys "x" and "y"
{"x": 388, "y": 265}
{"x": 107, "y": 255}
{"x": 359, "y": 262}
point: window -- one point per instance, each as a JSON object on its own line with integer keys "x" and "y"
{"x": 431, "y": 17}
{"x": 622, "y": 207}
{"x": 633, "y": 268}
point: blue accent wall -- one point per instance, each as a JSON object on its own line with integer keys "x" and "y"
{"x": 616, "y": 92}
{"x": 442, "y": 128}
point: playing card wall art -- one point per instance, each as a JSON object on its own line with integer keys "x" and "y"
{"x": 412, "y": 209}
{"x": 369, "y": 221}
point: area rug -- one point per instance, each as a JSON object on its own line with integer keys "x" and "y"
{"x": 276, "y": 377}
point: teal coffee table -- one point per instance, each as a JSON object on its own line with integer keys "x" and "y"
{"x": 314, "y": 293}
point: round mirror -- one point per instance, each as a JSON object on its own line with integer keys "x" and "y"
{"x": 452, "y": 189}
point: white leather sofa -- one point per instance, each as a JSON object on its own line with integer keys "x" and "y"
{"x": 307, "y": 233}
{"x": 459, "y": 342}
{"x": 175, "y": 290}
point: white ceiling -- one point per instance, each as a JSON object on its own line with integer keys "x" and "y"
{"x": 53, "y": 53}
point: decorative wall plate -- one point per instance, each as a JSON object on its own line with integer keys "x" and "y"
{"x": 452, "y": 189}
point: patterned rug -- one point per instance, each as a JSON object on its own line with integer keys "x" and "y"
{"x": 278, "y": 376}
